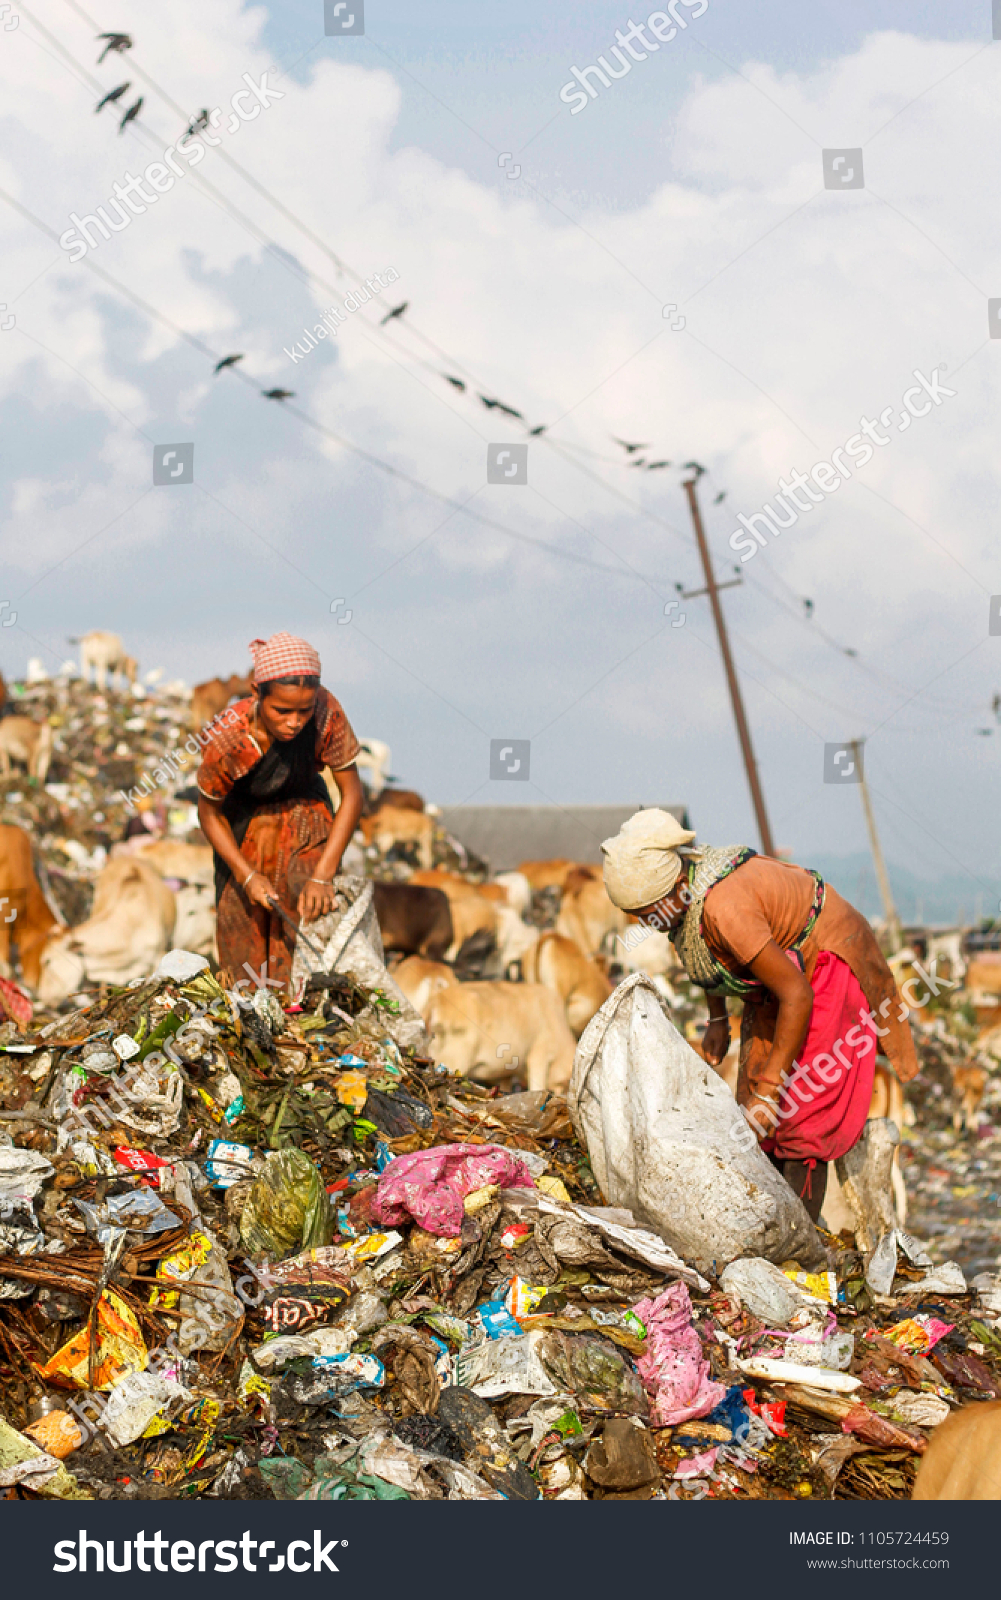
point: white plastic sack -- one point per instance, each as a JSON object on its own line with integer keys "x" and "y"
{"x": 665, "y": 1138}
{"x": 765, "y": 1289}
{"x": 350, "y": 942}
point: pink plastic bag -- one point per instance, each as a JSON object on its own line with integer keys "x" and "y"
{"x": 674, "y": 1371}
{"x": 430, "y": 1185}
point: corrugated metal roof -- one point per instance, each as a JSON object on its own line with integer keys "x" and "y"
{"x": 506, "y": 835}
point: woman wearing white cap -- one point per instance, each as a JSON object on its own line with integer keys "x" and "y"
{"x": 816, "y": 989}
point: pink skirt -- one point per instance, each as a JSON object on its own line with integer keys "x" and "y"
{"x": 825, "y": 1100}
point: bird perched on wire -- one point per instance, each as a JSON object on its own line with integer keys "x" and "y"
{"x": 112, "y": 95}
{"x": 227, "y": 361}
{"x": 808, "y": 606}
{"x": 630, "y": 449}
{"x": 533, "y": 433}
{"x": 498, "y": 405}
{"x": 131, "y": 114}
{"x": 278, "y": 394}
{"x": 651, "y": 466}
{"x": 115, "y": 41}
{"x": 197, "y": 123}
{"x": 637, "y": 461}
{"x": 720, "y": 498}
{"x": 694, "y": 466}
{"x": 456, "y": 383}
{"x": 397, "y": 311}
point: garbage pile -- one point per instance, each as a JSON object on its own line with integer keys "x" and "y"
{"x": 105, "y": 743}
{"x": 253, "y": 1249}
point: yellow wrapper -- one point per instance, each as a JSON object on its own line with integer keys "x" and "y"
{"x": 351, "y": 1089}
{"x": 120, "y": 1348}
{"x": 555, "y": 1188}
{"x": 183, "y": 1264}
{"x": 822, "y": 1286}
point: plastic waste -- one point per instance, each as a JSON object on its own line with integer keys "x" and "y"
{"x": 288, "y": 1208}
{"x": 765, "y": 1289}
{"x": 119, "y": 1348}
{"x": 674, "y": 1371}
{"x": 666, "y": 1139}
{"x": 135, "y": 1400}
{"x": 431, "y": 1185}
{"x": 23, "y": 1462}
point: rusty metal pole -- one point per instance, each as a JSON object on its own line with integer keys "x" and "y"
{"x": 739, "y": 716}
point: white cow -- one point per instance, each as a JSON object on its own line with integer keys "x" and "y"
{"x": 130, "y": 927}
{"x": 105, "y": 653}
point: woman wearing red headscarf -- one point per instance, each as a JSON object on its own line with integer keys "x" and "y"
{"x": 266, "y": 811}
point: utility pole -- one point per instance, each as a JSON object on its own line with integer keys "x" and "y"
{"x": 739, "y": 716}
{"x": 891, "y": 918}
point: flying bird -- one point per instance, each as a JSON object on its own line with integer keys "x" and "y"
{"x": 228, "y": 361}
{"x": 131, "y": 114}
{"x": 397, "y": 311}
{"x": 456, "y": 383}
{"x": 638, "y": 461}
{"x": 116, "y": 41}
{"x": 278, "y": 394}
{"x": 985, "y": 733}
{"x": 996, "y": 704}
{"x": 197, "y": 123}
{"x": 112, "y": 95}
{"x": 630, "y": 448}
{"x": 498, "y": 405}
{"x": 652, "y": 466}
{"x": 720, "y": 498}
{"x": 694, "y": 466}
{"x": 533, "y": 433}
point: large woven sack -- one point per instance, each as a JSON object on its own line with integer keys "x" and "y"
{"x": 666, "y": 1139}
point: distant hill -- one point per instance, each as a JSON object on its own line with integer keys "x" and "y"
{"x": 934, "y": 900}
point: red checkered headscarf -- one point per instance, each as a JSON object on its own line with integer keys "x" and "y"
{"x": 283, "y": 656}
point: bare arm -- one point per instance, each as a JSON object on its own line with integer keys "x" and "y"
{"x": 795, "y": 997}
{"x": 219, "y": 834}
{"x": 716, "y": 1039}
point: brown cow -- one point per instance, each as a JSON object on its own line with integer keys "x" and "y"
{"x": 963, "y": 1460}
{"x": 213, "y": 696}
{"x": 20, "y": 890}
{"x": 389, "y": 827}
{"x": 582, "y": 986}
{"x": 420, "y": 979}
{"x": 27, "y": 741}
{"x": 416, "y": 921}
{"x": 551, "y": 874}
{"x": 587, "y": 915}
{"x": 493, "y": 1032}
{"x": 396, "y": 800}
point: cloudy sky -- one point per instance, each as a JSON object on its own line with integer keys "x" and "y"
{"x": 537, "y": 248}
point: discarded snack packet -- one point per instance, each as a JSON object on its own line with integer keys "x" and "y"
{"x": 227, "y": 1163}
{"x": 287, "y": 1311}
{"x": 496, "y": 1320}
{"x": 516, "y": 1235}
{"x": 523, "y": 1298}
{"x": 917, "y": 1335}
{"x": 143, "y": 1161}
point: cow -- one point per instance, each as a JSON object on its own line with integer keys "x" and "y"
{"x": 968, "y": 1084}
{"x": 130, "y": 927}
{"x": 550, "y": 874}
{"x": 557, "y": 963}
{"x": 963, "y": 1458}
{"x": 587, "y": 915}
{"x": 188, "y": 870}
{"x": 21, "y": 739}
{"x": 213, "y": 696}
{"x": 390, "y": 827}
{"x": 420, "y": 979}
{"x": 396, "y": 800}
{"x": 416, "y": 921}
{"x": 25, "y": 916}
{"x": 105, "y": 654}
{"x": 496, "y": 1032}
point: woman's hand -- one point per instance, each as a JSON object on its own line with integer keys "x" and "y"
{"x": 716, "y": 1040}
{"x": 259, "y": 891}
{"x": 316, "y": 900}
